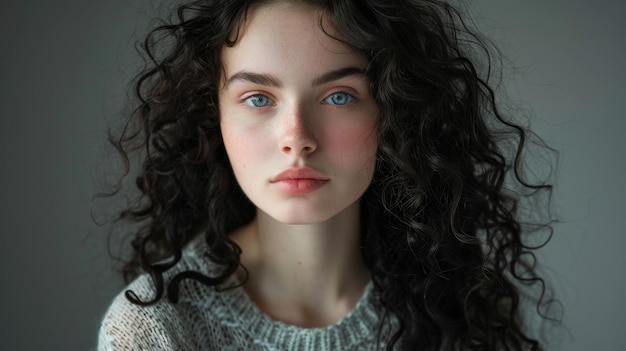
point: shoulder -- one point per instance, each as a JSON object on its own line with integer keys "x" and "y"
{"x": 128, "y": 326}
{"x": 162, "y": 325}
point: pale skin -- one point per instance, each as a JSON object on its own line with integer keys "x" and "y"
{"x": 294, "y": 99}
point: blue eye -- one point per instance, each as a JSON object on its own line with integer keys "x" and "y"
{"x": 339, "y": 98}
{"x": 258, "y": 100}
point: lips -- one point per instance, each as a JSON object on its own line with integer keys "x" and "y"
{"x": 299, "y": 181}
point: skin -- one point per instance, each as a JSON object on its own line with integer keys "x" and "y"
{"x": 294, "y": 98}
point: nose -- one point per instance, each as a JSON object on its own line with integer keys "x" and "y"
{"x": 297, "y": 135}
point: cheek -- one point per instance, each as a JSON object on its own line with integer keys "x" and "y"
{"x": 355, "y": 160}
{"x": 356, "y": 147}
{"x": 237, "y": 145}
{"x": 247, "y": 151}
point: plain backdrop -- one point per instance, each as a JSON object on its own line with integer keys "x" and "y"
{"x": 63, "y": 71}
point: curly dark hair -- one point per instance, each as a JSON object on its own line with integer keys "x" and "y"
{"x": 441, "y": 231}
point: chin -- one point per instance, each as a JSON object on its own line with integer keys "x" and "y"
{"x": 300, "y": 216}
{"x": 300, "y": 219}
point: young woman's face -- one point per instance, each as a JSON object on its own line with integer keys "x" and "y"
{"x": 296, "y": 115}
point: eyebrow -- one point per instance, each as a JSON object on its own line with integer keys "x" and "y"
{"x": 273, "y": 81}
{"x": 338, "y": 74}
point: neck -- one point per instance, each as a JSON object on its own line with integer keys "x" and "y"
{"x": 309, "y": 275}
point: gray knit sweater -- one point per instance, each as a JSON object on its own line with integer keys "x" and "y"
{"x": 204, "y": 319}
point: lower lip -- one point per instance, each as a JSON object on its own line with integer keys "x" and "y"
{"x": 299, "y": 186}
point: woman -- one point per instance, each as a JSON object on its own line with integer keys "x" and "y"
{"x": 321, "y": 175}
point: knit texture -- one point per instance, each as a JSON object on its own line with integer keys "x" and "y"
{"x": 205, "y": 319}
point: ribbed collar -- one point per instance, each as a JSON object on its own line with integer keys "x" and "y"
{"x": 353, "y": 330}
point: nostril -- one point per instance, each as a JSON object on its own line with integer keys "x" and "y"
{"x": 299, "y": 148}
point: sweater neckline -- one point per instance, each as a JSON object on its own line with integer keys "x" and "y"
{"x": 353, "y": 329}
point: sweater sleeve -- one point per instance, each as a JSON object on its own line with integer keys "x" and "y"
{"x": 127, "y": 326}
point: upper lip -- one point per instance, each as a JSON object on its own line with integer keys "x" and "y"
{"x": 298, "y": 173}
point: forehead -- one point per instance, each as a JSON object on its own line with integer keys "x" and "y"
{"x": 288, "y": 35}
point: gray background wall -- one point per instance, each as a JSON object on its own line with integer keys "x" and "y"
{"x": 63, "y": 66}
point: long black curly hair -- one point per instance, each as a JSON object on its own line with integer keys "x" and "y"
{"x": 441, "y": 231}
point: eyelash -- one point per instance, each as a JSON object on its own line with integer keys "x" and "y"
{"x": 248, "y": 100}
{"x": 257, "y": 96}
{"x": 351, "y": 98}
